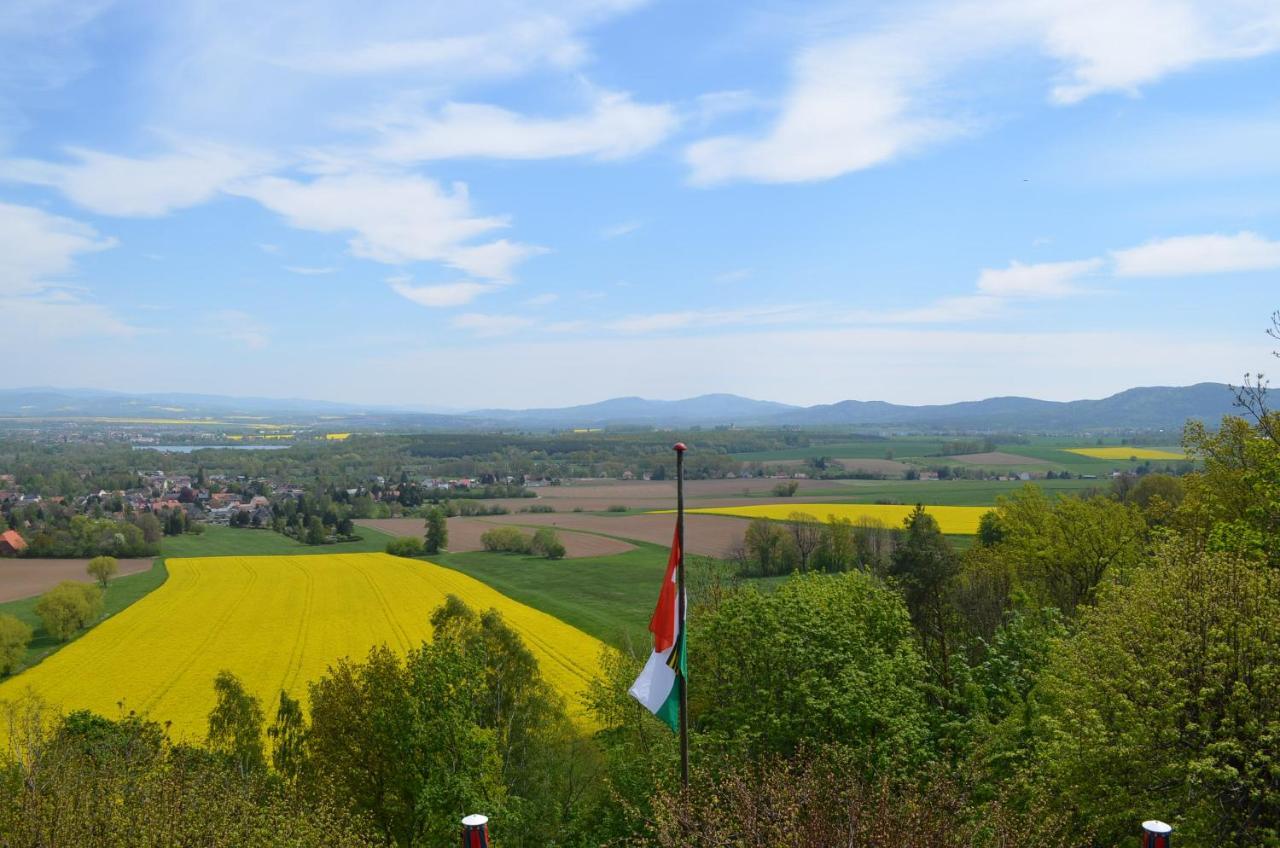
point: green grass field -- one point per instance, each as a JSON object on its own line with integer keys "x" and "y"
{"x": 121, "y": 592}
{"x": 609, "y": 597}
{"x": 229, "y": 541}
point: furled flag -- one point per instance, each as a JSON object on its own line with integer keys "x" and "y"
{"x": 656, "y": 687}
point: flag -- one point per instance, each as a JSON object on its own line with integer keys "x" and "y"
{"x": 656, "y": 686}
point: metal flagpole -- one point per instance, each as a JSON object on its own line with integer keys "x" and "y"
{"x": 682, "y": 646}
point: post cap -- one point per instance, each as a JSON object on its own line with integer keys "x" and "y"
{"x": 679, "y": 447}
{"x": 1156, "y": 826}
{"x": 475, "y": 820}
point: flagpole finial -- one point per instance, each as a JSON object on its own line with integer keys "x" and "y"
{"x": 679, "y": 447}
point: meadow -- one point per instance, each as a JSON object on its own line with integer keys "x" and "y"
{"x": 952, "y": 520}
{"x": 277, "y": 622}
{"x": 217, "y": 540}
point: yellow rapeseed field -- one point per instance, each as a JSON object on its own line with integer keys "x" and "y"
{"x": 277, "y": 622}
{"x": 959, "y": 520}
{"x": 1123, "y": 453}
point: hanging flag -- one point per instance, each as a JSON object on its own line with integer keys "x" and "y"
{"x": 657, "y": 686}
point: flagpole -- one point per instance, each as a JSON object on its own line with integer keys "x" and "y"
{"x": 680, "y": 617}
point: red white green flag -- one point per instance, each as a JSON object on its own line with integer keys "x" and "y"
{"x": 656, "y": 687}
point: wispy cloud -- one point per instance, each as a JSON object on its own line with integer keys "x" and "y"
{"x": 613, "y": 128}
{"x": 862, "y": 100}
{"x": 441, "y": 294}
{"x": 308, "y": 271}
{"x": 1198, "y": 254}
{"x": 1044, "y": 279}
{"x": 542, "y": 299}
{"x": 237, "y": 327}
{"x": 396, "y": 218}
{"x": 622, "y": 229}
{"x": 491, "y": 325}
{"x": 144, "y": 187}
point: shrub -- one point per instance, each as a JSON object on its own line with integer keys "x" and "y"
{"x": 617, "y": 508}
{"x": 786, "y": 489}
{"x": 408, "y": 546}
{"x": 14, "y": 637}
{"x": 539, "y": 508}
{"x": 505, "y": 539}
{"x": 69, "y": 607}
{"x": 546, "y": 542}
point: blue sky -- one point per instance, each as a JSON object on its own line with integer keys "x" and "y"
{"x": 523, "y": 203}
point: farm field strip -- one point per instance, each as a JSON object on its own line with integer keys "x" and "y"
{"x": 277, "y": 622}
{"x": 953, "y": 520}
{"x": 1124, "y": 453}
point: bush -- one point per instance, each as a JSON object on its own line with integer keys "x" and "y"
{"x": 408, "y": 546}
{"x": 546, "y": 542}
{"x": 69, "y": 607}
{"x": 15, "y": 635}
{"x": 617, "y": 508}
{"x": 539, "y": 508}
{"x": 786, "y": 489}
{"x": 505, "y": 540}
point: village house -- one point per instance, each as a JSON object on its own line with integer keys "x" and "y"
{"x": 11, "y": 543}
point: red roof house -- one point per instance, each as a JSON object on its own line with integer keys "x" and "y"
{"x": 11, "y": 543}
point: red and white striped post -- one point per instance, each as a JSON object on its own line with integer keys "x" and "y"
{"x": 1155, "y": 834}
{"x": 475, "y": 831}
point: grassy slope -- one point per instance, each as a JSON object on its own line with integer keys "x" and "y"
{"x": 609, "y": 597}
{"x": 121, "y": 592}
{"x": 228, "y": 541}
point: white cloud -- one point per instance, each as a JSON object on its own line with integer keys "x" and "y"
{"x": 1044, "y": 279}
{"x": 1121, "y": 46}
{"x": 308, "y": 271}
{"x": 38, "y": 247}
{"x": 613, "y": 128}
{"x": 396, "y": 218}
{"x": 38, "y": 250}
{"x": 1199, "y": 254}
{"x": 542, "y": 299}
{"x": 491, "y": 325}
{"x": 137, "y": 187}
{"x": 858, "y": 101}
{"x": 442, "y": 294}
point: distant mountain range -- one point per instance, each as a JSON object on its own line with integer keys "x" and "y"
{"x": 1141, "y": 408}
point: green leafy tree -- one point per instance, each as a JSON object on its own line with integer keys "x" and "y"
{"x": 925, "y": 565}
{"x": 235, "y": 725}
{"x": 68, "y": 608}
{"x": 1166, "y": 703}
{"x": 437, "y": 525}
{"x": 546, "y": 542}
{"x": 288, "y": 736}
{"x": 316, "y": 534}
{"x": 823, "y": 660}
{"x": 102, "y": 569}
{"x": 15, "y": 635}
{"x": 768, "y": 548}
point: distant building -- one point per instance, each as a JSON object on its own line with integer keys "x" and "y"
{"x": 11, "y": 543}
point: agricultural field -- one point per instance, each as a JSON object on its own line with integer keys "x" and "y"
{"x": 121, "y": 593}
{"x": 1123, "y": 453}
{"x": 237, "y": 541}
{"x": 465, "y": 533}
{"x": 277, "y": 622}
{"x": 23, "y": 578}
{"x": 952, "y": 520}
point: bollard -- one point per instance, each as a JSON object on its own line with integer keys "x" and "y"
{"x": 1155, "y": 834}
{"x": 475, "y": 831}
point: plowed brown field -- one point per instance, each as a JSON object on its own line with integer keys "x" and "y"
{"x": 22, "y": 578}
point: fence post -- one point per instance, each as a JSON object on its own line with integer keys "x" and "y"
{"x": 1155, "y": 834}
{"x": 475, "y": 831}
